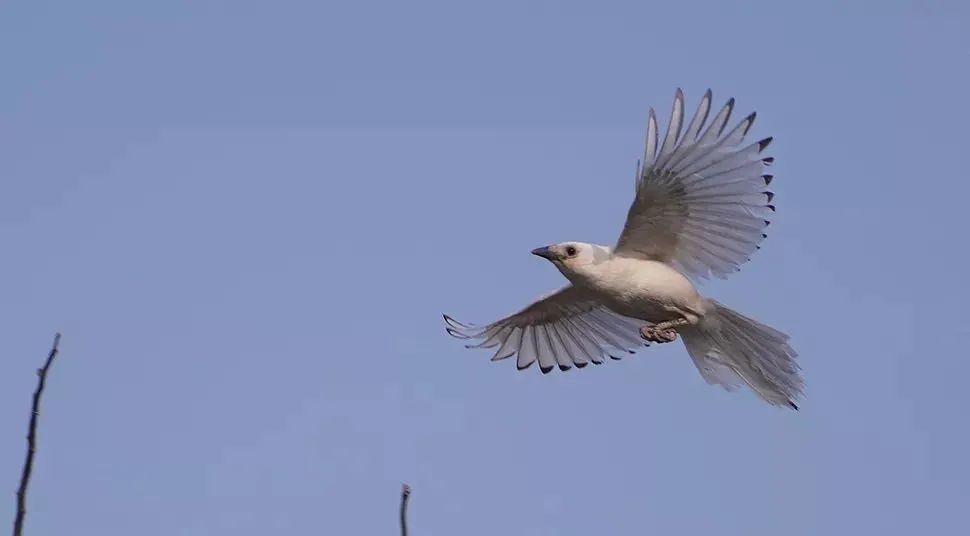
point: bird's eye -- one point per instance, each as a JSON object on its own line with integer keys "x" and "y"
{"x": 570, "y": 251}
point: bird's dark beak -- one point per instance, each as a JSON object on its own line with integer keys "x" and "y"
{"x": 545, "y": 253}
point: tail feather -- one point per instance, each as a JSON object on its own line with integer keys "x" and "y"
{"x": 729, "y": 349}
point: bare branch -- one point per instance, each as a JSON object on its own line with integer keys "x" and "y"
{"x": 18, "y": 523}
{"x": 405, "y": 494}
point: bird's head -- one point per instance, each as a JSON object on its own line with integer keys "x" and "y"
{"x": 574, "y": 259}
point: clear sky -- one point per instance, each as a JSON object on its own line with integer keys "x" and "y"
{"x": 247, "y": 217}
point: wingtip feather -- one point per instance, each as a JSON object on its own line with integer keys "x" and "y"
{"x": 750, "y": 122}
{"x": 450, "y": 320}
{"x": 457, "y": 334}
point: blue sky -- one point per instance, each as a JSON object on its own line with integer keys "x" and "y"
{"x": 247, "y": 217}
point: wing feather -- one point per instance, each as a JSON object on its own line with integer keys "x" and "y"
{"x": 701, "y": 203}
{"x": 650, "y": 147}
{"x": 565, "y": 329}
{"x": 673, "y": 127}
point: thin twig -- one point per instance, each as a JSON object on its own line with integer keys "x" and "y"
{"x": 18, "y": 523}
{"x": 405, "y": 494}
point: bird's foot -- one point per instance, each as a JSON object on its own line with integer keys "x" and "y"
{"x": 652, "y": 334}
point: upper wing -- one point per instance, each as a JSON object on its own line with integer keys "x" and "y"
{"x": 701, "y": 202}
{"x": 566, "y": 328}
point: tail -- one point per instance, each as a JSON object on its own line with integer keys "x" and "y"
{"x": 729, "y": 348}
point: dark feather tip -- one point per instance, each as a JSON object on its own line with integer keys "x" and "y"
{"x": 454, "y": 323}
{"x": 767, "y": 223}
{"x": 763, "y": 236}
{"x": 768, "y": 179}
{"x": 456, "y": 334}
{"x": 750, "y": 122}
{"x": 768, "y": 161}
{"x": 545, "y": 370}
{"x": 764, "y": 143}
{"x": 771, "y": 195}
{"x": 771, "y": 207}
{"x": 793, "y": 405}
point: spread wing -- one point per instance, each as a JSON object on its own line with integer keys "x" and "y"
{"x": 701, "y": 203}
{"x": 566, "y": 328}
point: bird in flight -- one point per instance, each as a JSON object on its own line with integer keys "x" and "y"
{"x": 700, "y": 210}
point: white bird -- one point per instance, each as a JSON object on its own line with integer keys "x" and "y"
{"x": 700, "y": 210}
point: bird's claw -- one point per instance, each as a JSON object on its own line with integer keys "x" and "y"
{"x": 652, "y": 334}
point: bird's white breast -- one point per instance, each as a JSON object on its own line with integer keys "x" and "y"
{"x": 648, "y": 290}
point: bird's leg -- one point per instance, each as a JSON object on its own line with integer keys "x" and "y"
{"x": 651, "y": 334}
{"x": 662, "y": 332}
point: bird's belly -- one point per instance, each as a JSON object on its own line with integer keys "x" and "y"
{"x": 653, "y": 292}
{"x": 644, "y": 308}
